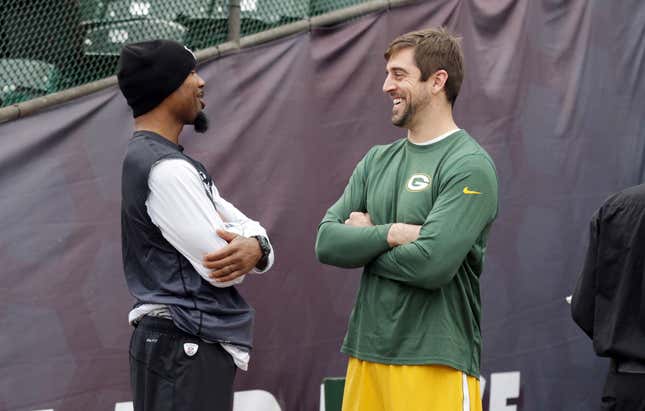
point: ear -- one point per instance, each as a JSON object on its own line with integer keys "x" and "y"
{"x": 438, "y": 81}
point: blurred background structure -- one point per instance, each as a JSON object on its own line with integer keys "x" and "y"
{"x": 554, "y": 90}
{"x": 51, "y": 45}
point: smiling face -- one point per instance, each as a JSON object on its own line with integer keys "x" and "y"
{"x": 410, "y": 96}
{"x": 433, "y": 56}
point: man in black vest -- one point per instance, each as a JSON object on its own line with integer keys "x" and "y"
{"x": 192, "y": 327}
{"x": 609, "y": 299}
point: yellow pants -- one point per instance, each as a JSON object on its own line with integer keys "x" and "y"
{"x": 381, "y": 387}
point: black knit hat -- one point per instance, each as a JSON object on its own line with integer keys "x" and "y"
{"x": 150, "y": 71}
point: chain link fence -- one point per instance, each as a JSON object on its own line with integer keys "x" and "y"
{"x": 51, "y": 45}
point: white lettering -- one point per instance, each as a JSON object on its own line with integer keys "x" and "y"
{"x": 124, "y": 406}
{"x": 503, "y": 386}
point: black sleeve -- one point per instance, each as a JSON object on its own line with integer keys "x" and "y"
{"x": 583, "y": 300}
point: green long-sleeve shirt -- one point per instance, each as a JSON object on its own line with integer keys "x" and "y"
{"x": 417, "y": 303}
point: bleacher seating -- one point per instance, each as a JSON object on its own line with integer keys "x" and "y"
{"x": 80, "y": 40}
{"x": 166, "y": 10}
{"x": 23, "y": 79}
{"x": 107, "y": 38}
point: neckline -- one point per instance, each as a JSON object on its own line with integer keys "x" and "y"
{"x": 438, "y": 138}
{"x": 158, "y": 138}
{"x": 436, "y": 142}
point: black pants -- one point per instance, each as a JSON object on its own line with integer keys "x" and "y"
{"x": 165, "y": 377}
{"x": 623, "y": 391}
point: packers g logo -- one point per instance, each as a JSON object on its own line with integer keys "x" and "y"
{"x": 418, "y": 182}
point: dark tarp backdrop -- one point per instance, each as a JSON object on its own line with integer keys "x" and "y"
{"x": 554, "y": 90}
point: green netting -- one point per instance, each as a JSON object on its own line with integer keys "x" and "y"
{"x": 51, "y": 45}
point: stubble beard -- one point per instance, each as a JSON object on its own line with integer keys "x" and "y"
{"x": 403, "y": 119}
{"x": 406, "y": 119}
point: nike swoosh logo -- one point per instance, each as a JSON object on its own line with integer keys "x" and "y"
{"x": 467, "y": 191}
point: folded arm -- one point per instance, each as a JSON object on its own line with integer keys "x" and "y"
{"x": 464, "y": 208}
{"x": 237, "y": 222}
{"x": 584, "y": 296}
{"x": 179, "y": 207}
{"x": 346, "y": 245}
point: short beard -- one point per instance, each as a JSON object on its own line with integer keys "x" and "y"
{"x": 407, "y": 119}
{"x": 201, "y": 123}
{"x": 403, "y": 120}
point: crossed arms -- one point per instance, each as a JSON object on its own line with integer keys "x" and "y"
{"x": 216, "y": 243}
{"x": 424, "y": 256}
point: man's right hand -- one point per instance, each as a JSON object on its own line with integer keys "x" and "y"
{"x": 233, "y": 260}
{"x": 401, "y": 233}
{"x": 358, "y": 219}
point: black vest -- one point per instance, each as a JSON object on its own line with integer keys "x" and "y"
{"x": 156, "y": 273}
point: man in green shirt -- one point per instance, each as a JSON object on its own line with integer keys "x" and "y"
{"x": 416, "y": 215}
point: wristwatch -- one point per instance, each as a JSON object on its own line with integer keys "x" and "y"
{"x": 266, "y": 250}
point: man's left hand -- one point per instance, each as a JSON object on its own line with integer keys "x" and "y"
{"x": 234, "y": 260}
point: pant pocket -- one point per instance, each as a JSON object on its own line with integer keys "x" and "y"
{"x": 152, "y": 370}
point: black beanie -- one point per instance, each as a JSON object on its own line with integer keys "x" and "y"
{"x": 150, "y": 71}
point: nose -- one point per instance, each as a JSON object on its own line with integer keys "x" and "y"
{"x": 200, "y": 81}
{"x": 388, "y": 84}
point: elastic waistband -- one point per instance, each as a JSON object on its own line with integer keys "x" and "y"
{"x": 159, "y": 324}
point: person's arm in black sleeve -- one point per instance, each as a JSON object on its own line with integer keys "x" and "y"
{"x": 583, "y": 299}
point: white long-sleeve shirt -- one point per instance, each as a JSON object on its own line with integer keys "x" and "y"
{"x": 179, "y": 205}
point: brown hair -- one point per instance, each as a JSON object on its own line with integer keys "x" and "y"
{"x": 434, "y": 49}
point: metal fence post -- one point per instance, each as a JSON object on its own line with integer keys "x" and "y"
{"x": 234, "y": 20}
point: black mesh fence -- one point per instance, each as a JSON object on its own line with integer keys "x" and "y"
{"x": 51, "y": 45}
